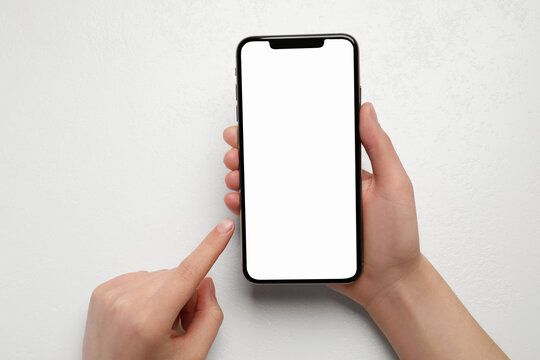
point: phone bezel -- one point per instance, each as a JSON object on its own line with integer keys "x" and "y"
{"x": 358, "y": 165}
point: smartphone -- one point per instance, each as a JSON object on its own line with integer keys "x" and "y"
{"x": 298, "y": 101}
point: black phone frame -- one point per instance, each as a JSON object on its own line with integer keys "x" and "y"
{"x": 299, "y": 41}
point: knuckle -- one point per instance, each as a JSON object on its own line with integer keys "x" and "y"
{"x": 386, "y": 137}
{"x": 143, "y": 330}
{"x": 109, "y": 297}
{"x": 121, "y": 307}
{"x": 104, "y": 295}
{"x": 401, "y": 190}
{"x": 187, "y": 270}
{"x": 159, "y": 272}
{"x": 217, "y": 314}
{"x": 134, "y": 320}
{"x": 402, "y": 184}
{"x": 98, "y": 294}
{"x": 406, "y": 184}
{"x": 130, "y": 276}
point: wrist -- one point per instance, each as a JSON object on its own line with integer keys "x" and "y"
{"x": 416, "y": 278}
{"x": 422, "y": 318}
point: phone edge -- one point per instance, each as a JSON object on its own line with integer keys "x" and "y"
{"x": 358, "y": 164}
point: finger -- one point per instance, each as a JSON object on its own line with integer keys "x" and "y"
{"x": 366, "y": 173}
{"x": 188, "y": 311}
{"x": 183, "y": 280}
{"x": 230, "y": 135}
{"x": 231, "y": 159}
{"x": 206, "y": 322}
{"x": 384, "y": 159}
{"x": 232, "y": 200}
{"x": 232, "y": 180}
{"x": 367, "y": 180}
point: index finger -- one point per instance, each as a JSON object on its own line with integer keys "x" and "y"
{"x": 183, "y": 280}
{"x": 230, "y": 135}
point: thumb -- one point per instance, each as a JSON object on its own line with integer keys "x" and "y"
{"x": 387, "y": 167}
{"x": 206, "y": 320}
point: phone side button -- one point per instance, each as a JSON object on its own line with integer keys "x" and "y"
{"x": 236, "y": 113}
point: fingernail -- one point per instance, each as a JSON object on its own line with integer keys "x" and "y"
{"x": 225, "y": 226}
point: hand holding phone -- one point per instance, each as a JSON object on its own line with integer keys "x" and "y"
{"x": 403, "y": 293}
{"x": 391, "y": 245}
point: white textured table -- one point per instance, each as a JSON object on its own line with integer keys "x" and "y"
{"x": 111, "y": 116}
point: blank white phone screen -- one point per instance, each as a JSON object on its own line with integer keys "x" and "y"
{"x": 298, "y": 122}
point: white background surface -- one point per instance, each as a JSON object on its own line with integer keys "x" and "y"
{"x": 303, "y": 98}
{"x": 111, "y": 116}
